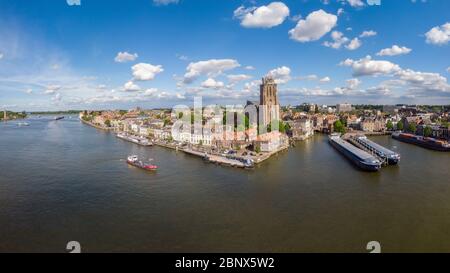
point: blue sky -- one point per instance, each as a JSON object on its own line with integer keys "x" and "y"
{"x": 64, "y": 54}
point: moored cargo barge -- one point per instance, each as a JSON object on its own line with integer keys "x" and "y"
{"x": 425, "y": 142}
{"x": 360, "y": 158}
{"x": 391, "y": 157}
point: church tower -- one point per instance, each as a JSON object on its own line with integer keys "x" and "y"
{"x": 269, "y": 101}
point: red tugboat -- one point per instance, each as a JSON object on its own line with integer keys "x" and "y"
{"x": 133, "y": 160}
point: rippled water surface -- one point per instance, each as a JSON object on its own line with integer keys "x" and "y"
{"x": 62, "y": 181}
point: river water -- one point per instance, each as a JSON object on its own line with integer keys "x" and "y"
{"x": 62, "y": 181}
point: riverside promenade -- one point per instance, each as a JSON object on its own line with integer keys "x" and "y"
{"x": 96, "y": 126}
{"x": 221, "y": 159}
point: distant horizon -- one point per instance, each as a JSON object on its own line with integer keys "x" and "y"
{"x": 169, "y": 108}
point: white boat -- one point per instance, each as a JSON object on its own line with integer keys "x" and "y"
{"x": 135, "y": 139}
{"x": 23, "y": 124}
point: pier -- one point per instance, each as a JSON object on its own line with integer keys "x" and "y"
{"x": 226, "y": 161}
{"x": 196, "y": 153}
{"x": 217, "y": 158}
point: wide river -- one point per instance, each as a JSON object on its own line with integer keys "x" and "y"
{"x": 62, "y": 181}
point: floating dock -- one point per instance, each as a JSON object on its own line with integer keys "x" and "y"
{"x": 386, "y": 156}
{"x": 196, "y": 153}
{"x": 357, "y": 156}
{"x": 221, "y": 160}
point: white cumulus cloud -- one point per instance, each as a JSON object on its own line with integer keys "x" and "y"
{"x": 268, "y": 16}
{"x": 338, "y": 40}
{"x": 281, "y": 74}
{"x": 355, "y": 3}
{"x": 369, "y": 67}
{"x": 212, "y": 83}
{"x": 210, "y": 68}
{"x": 367, "y": 33}
{"x": 354, "y": 44}
{"x": 423, "y": 81}
{"x": 131, "y": 86}
{"x": 353, "y": 83}
{"x": 146, "y": 72}
{"x": 439, "y": 35}
{"x": 123, "y": 57}
{"x": 394, "y": 50}
{"x": 314, "y": 27}
{"x": 325, "y": 80}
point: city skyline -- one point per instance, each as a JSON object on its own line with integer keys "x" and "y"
{"x": 59, "y": 55}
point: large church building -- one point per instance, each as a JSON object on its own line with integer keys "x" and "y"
{"x": 268, "y": 101}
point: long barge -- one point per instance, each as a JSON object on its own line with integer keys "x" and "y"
{"x": 425, "y": 142}
{"x": 137, "y": 140}
{"x": 391, "y": 157}
{"x": 360, "y": 158}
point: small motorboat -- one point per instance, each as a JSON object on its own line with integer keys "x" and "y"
{"x": 133, "y": 160}
{"x": 20, "y": 124}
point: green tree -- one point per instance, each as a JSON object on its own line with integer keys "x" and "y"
{"x": 258, "y": 149}
{"x": 166, "y": 121}
{"x": 281, "y": 126}
{"x": 400, "y": 126}
{"x": 287, "y": 127}
{"x": 390, "y": 125}
{"x": 427, "y": 131}
{"x": 247, "y": 122}
{"x": 339, "y": 127}
{"x": 343, "y": 121}
{"x": 108, "y": 123}
{"x": 412, "y": 128}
